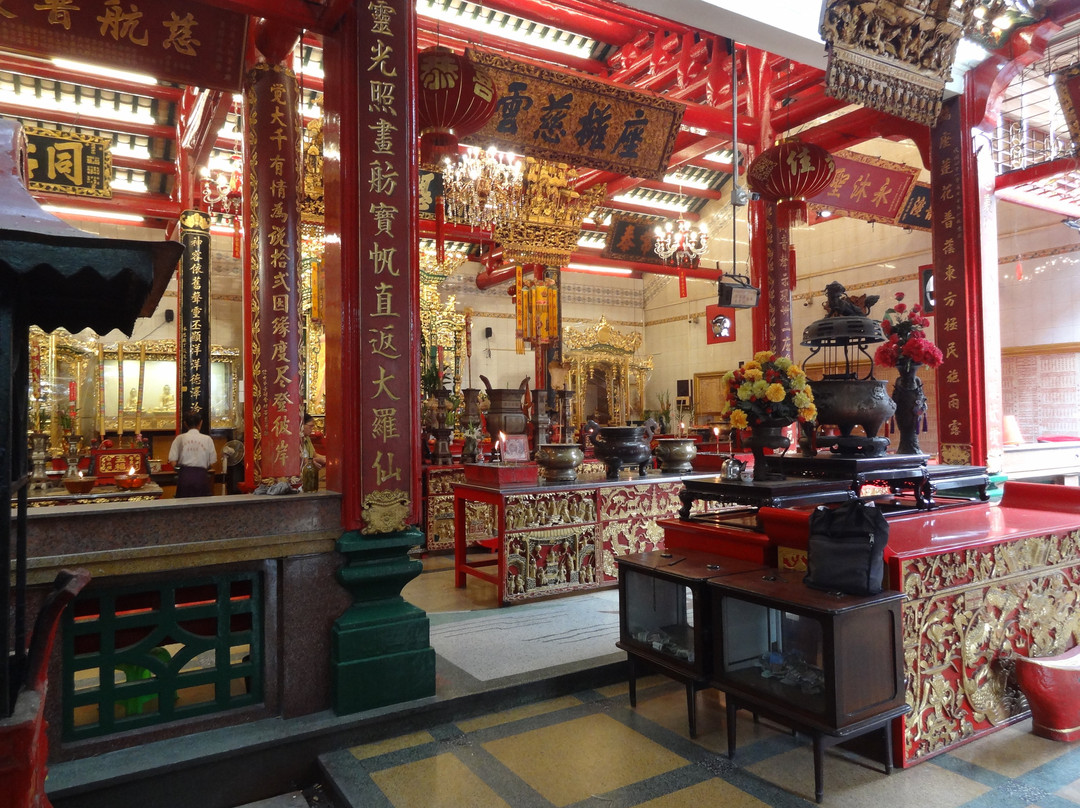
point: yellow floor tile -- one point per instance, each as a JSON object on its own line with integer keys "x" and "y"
{"x": 1012, "y": 751}
{"x": 371, "y": 750}
{"x": 518, "y": 713}
{"x": 439, "y": 782}
{"x": 852, "y": 782}
{"x": 622, "y": 688}
{"x": 711, "y": 792}
{"x": 573, "y": 760}
{"x": 668, "y": 709}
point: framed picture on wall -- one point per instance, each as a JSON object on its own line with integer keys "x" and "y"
{"x": 719, "y": 324}
{"x": 926, "y": 288}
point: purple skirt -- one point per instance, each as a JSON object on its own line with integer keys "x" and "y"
{"x": 192, "y": 481}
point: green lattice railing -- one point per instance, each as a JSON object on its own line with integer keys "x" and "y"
{"x": 137, "y": 656}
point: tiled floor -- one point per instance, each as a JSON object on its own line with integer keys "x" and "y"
{"x": 592, "y": 749}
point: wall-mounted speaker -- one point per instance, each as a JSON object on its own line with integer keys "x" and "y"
{"x": 169, "y": 314}
{"x": 488, "y": 332}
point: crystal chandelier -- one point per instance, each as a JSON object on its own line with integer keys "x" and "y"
{"x": 222, "y": 189}
{"x": 480, "y": 189}
{"x": 530, "y": 205}
{"x": 679, "y": 245}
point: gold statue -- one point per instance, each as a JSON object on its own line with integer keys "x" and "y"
{"x": 168, "y": 400}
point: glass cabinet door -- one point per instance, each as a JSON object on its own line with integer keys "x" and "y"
{"x": 774, "y": 652}
{"x": 660, "y": 615}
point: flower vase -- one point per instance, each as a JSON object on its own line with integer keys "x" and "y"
{"x": 910, "y": 407}
{"x": 767, "y": 435}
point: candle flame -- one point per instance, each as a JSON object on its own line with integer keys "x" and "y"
{"x": 716, "y": 431}
{"x": 502, "y": 437}
{"x": 131, "y": 472}
{"x": 80, "y": 474}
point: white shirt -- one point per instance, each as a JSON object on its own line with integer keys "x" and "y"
{"x": 193, "y": 448}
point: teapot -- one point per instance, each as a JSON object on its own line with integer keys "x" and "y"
{"x": 732, "y": 468}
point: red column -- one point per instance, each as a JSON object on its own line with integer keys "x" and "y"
{"x": 372, "y": 323}
{"x": 759, "y": 105}
{"x": 777, "y": 238}
{"x": 272, "y": 134}
{"x": 968, "y": 399}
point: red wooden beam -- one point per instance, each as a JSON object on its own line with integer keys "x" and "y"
{"x": 86, "y": 120}
{"x": 152, "y": 206}
{"x": 47, "y": 70}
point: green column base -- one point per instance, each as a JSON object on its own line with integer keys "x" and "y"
{"x": 380, "y": 647}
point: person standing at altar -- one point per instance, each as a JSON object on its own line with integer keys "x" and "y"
{"x": 192, "y": 454}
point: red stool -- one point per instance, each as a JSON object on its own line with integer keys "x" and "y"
{"x": 1052, "y": 687}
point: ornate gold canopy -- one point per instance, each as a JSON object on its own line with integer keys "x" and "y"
{"x": 602, "y": 362}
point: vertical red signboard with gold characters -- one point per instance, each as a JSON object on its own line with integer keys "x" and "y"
{"x": 388, "y": 281}
{"x": 271, "y": 100}
{"x": 954, "y": 310}
{"x": 194, "y": 342}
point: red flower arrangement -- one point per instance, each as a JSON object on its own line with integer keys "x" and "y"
{"x": 907, "y": 345}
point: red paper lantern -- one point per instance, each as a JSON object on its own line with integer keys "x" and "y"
{"x": 790, "y": 173}
{"x": 454, "y": 98}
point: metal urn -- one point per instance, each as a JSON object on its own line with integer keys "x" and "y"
{"x": 848, "y": 396}
{"x": 675, "y": 454}
{"x": 559, "y": 461}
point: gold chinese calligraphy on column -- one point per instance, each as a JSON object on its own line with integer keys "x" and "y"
{"x": 274, "y": 140}
{"x": 388, "y": 274}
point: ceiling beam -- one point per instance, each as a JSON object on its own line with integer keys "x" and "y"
{"x": 85, "y": 120}
{"x": 47, "y": 70}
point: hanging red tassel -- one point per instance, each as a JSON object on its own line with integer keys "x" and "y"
{"x": 440, "y": 237}
{"x": 791, "y": 265}
{"x": 682, "y": 284}
{"x": 236, "y": 237}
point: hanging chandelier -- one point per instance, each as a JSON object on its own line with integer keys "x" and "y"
{"x": 679, "y": 245}
{"x": 481, "y": 188}
{"x": 530, "y": 205}
{"x": 222, "y": 188}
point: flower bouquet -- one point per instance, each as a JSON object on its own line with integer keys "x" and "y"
{"x": 907, "y": 345}
{"x": 768, "y": 388}
{"x": 906, "y": 349}
{"x": 767, "y": 393}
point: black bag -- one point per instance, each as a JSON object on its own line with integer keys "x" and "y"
{"x": 846, "y": 548}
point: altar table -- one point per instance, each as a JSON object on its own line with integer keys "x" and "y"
{"x": 559, "y": 538}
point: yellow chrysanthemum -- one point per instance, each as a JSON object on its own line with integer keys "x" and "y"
{"x": 738, "y": 419}
{"x": 776, "y": 393}
{"x": 764, "y": 356}
{"x": 753, "y": 374}
{"x": 753, "y": 364}
{"x": 792, "y": 370}
{"x": 808, "y": 413}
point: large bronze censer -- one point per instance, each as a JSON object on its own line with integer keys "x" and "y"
{"x": 847, "y": 395}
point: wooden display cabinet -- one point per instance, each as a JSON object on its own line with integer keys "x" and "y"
{"x": 824, "y": 663}
{"x": 664, "y": 616}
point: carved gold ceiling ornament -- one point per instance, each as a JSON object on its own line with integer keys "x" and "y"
{"x": 544, "y": 223}
{"x": 894, "y": 56}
